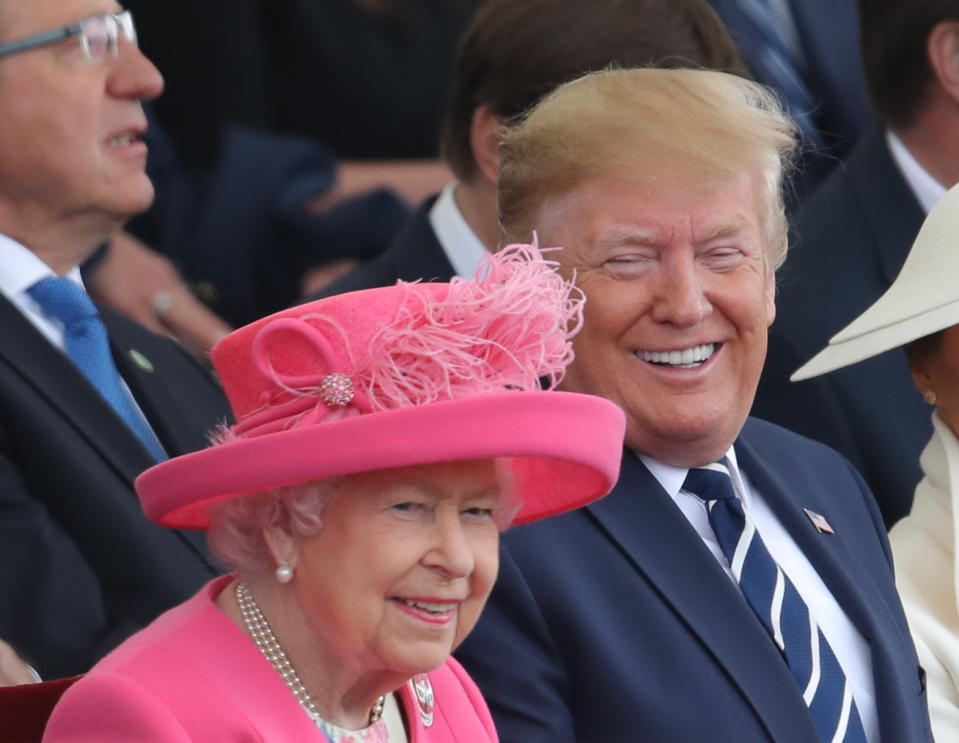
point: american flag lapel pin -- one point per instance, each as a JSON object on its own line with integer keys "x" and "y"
{"x": 819, "y": 521}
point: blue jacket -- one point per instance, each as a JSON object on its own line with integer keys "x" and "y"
{"x": 615, "y": 623}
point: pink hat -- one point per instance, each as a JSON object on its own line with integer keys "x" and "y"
{"x": 404, "y": 375}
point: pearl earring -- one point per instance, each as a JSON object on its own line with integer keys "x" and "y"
{"x": 929, "y": 396}
{"x": 284, "y": 573}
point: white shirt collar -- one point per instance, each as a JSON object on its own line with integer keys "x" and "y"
{"x": 461, "y": 245}
{"x": 672, "y": 478}
{"x": 926, "y": 188}
{"x": 20, "y": 268}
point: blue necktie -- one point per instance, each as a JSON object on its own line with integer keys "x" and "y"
{"x": 779, "y": 607}
{"x": 89, "y": 349}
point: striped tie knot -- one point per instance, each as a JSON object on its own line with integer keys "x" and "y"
{"x": 713, "y": 485}
{"x": 710, "y": 482}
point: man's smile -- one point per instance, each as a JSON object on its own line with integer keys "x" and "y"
{"x": 686, "y": 358}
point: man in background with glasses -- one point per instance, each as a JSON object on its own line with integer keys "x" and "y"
{"x": 98, "y": 36}
{"x": 88, "y": 399}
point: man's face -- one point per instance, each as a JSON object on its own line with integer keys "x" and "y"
{"x": 70, "y": 144}
{"x": 679, "y": 301}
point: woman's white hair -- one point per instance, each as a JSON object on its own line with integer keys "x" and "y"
{"x": 236, "y": 525}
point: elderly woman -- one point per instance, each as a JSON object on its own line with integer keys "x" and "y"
{"x": 383, "y": 439}
{"x": 920, "y": 313}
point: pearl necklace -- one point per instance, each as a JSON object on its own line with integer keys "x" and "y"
{"x": 261, "y": 633}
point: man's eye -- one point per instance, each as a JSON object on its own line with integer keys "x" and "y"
{"x": 719, "y": 258}
{"x": 627, "y": 264}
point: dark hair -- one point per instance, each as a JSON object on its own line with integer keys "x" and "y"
{"x": 894, "y": 56}
{"x": 514, "y": 52}
{"x": 923, "y": 348}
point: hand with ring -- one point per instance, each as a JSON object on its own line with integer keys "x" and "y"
{"x": 144, "y": 285}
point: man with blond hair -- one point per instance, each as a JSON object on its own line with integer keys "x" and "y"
{"x": 736, "y": 585}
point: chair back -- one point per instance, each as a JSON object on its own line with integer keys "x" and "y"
{"x": 25, "y": 709}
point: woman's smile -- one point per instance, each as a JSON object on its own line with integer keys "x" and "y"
{"x": 431, "y": 611}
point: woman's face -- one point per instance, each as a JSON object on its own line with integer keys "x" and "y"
{"x": 939, "y": 371}
{"x": 402, "y": 566}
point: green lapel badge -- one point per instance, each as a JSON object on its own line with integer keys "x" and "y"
{"x": 141, "y": 361}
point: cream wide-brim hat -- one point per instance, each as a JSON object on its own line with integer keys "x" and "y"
{"x": 922, "y": 300}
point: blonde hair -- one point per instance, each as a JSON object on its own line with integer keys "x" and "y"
{"x": 634, "y": 124}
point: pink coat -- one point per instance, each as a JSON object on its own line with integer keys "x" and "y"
{"x": 194, "y": 676}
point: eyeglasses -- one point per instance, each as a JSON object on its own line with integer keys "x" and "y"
{"x": 98, "y": 34}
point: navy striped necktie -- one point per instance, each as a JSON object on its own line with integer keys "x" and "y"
{"x": 780, "y": 608}
{"x": 88, "y": 347}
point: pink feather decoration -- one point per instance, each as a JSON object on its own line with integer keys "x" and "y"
{"x": 505, "y": 329}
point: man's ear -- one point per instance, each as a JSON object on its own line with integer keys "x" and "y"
{"x": 942, "y": 48}
{"x": 485, "y": 131}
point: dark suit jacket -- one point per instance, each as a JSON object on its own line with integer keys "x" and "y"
{"x": 415, "y": 253}
{"x": 831, "y": 69}
{"x": 829, "y": 37}
{"x": 615, "y": 623}
{"x": 80, "y": 566}
{"x": 850, "y": 243}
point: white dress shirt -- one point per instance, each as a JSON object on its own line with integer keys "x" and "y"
{"x": 926, "y": 188}
{"x": 21, "y": 269}
{"x": 461, "y": 245}
{"x": 850, "y": 647}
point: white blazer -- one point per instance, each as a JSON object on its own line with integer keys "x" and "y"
{"x": 927, "y": 575}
